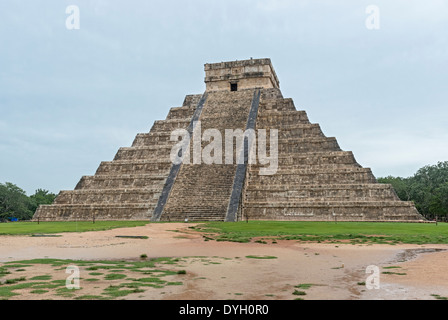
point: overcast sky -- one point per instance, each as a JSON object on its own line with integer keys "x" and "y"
{"x": 70, "y": 98}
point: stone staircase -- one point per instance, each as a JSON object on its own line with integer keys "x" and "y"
{"x": 128, "y": 187}
{"x": 202, "y": 191}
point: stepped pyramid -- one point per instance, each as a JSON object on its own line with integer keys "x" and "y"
{"x": 313, "y": 180}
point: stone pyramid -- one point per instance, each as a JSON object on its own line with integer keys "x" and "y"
{"x": 313, "y": 179}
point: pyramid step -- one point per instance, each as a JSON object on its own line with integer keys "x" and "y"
{"x": 333, "y": 210}
{"x": 111, "y": 196}
{"x": 160, "y": 167}
{"x": 276, "y": 104}
{"x": 170, "y": 124}
{"x": 275, "y": 118}
{"x": 152, "y": 138}
{"x": 308, "y": 167}
{"x": 310, "y": 170}
{"x": 321, "y": 193}
{"x": 350, "y": 177}
{"x": 145, "y": 152}
{"x": 180, "y": 113}
{"x": 121, "y": 181}
{"x": 83, "y": 212}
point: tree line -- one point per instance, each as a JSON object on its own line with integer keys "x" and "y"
{"x": 427, "y": 188}
{"x": 14, "y": 202}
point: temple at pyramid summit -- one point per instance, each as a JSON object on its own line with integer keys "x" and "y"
{"x": 194, "y": 164}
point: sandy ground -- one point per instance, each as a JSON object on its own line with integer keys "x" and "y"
{"x": 337, "y": 271}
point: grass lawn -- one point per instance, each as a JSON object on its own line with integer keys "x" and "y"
{"x": 355, "y": 232}
{"x": 16, "y": 228}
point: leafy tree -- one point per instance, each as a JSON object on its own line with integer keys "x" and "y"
{"x": 428, "y": 188}
{"x": 401, "y": 186}
{"x": 14, "y": 202}
{"x": 41, "y": 196}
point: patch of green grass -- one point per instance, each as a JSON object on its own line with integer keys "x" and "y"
{"x": 260, "y": 257}
{"x": 65, "y": 292}
{"x": 438, "y": 297}
{"x": 43, "y": 277}
{"x": 132, "y": 237}
{"x": 391, "y": 267}
{"x": 116, "y": 291}
{"x": 299, "y": 293}
{"x": 8, "y": 291}
{"x": 150, "y": 279}
{"x": 174, "y": 283}
{"x": 397, "y": 273}
{"x": 38, "y": 291}
{"x": 46, "y": 286}
{"x": 90, "y": 297}
{"x": 304, "y": 286}
{"x": 4, "y": 271}
{"x": 355, "y": 232}
{"x": 64, "y": 226}
{"x": 15, "y": 280}
{"x": 18, "y": 265}
{"x": 115, "y": 276}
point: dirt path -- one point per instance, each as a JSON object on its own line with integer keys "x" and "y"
{"x": 336, "y": 271}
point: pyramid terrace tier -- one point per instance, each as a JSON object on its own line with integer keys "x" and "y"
{"x": 169, "y": 125}
{"x": 302, "y": 145}
{"x": 318, "y": 193}
{"x": 123, "y": 167}
{"x": 89, "y": 212}
{"x": 275, "y": 104}
{"x": 306, "y": 168}
{"x": 147, "y": 152}
{"x": 109, "y": 196}
{"x": 275, "y": 119}
{"x": 152, "y": 138}
{"x": 299, "y": 130}
{"x": 317, "y": 158}
{"x": 292, "y": 177}
{"x": 180, "y": 113}
{"x": 121, "y": 181}
{"x": 333, "y": 211}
